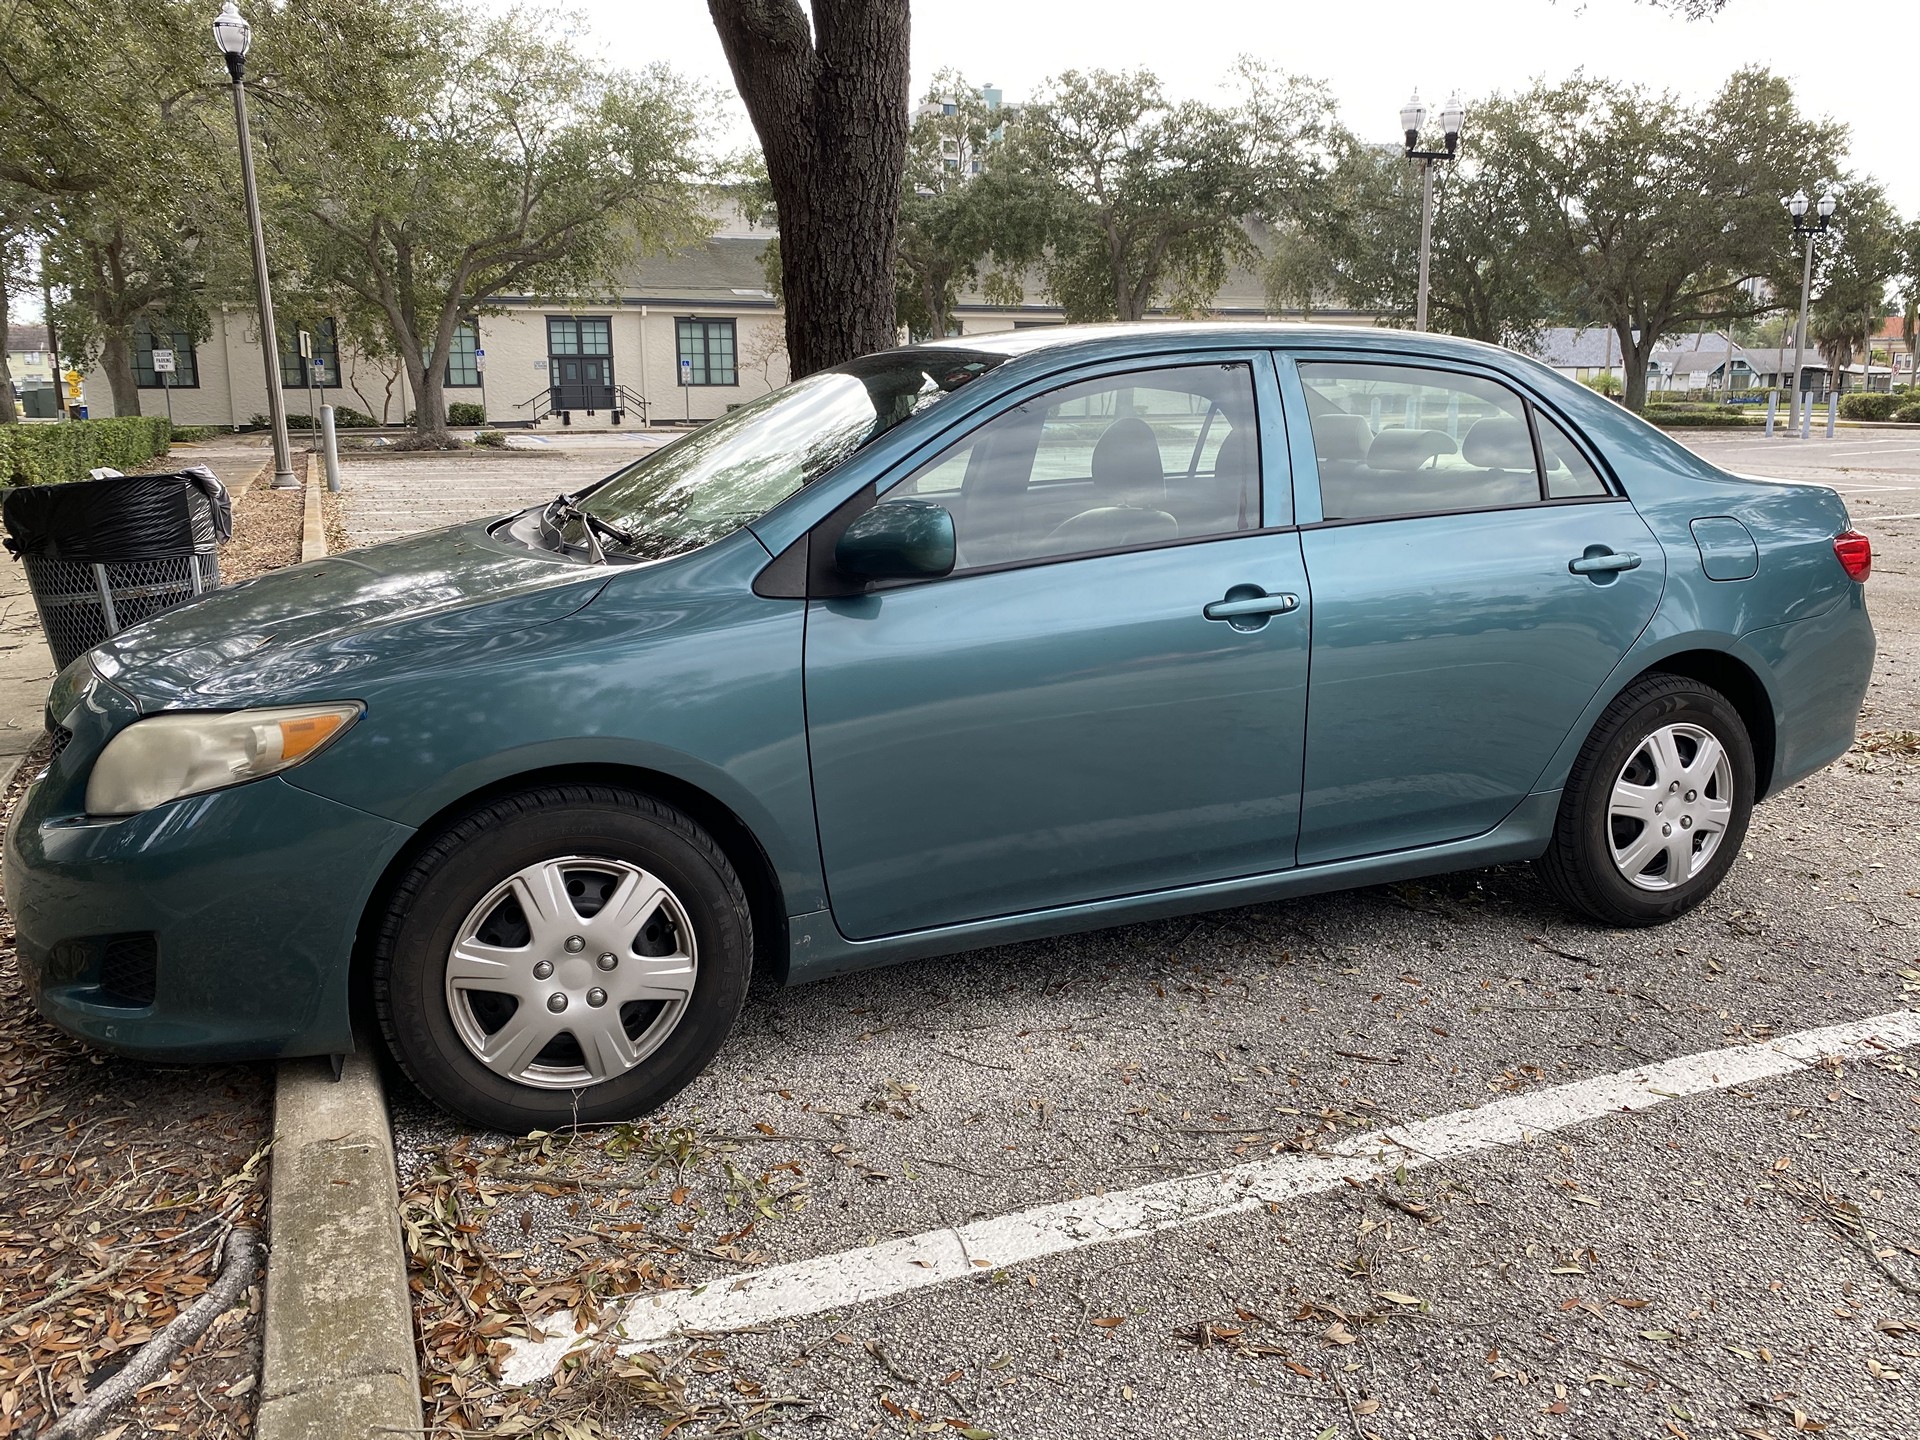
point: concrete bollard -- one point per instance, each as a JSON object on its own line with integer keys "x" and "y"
{"x": 1806, "y": 417}
{"x": 1773, "y": 408}
{"x": 329, "y": 450}
{"x": 1833, "y": 411}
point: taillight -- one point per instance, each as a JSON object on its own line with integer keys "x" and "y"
{"x": 1855, "y": 552}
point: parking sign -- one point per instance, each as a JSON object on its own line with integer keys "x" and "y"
{"x": 163, "y": 362}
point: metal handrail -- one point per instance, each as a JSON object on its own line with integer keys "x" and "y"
{"x": 624, "y": 397}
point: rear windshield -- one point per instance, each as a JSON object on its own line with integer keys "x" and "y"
{"x": 730, "y": 472}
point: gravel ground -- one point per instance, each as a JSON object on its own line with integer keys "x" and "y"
{"x": 123, "y": 1178}
{"x": 1745, "y": 1262}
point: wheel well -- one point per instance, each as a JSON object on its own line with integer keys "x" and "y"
{"x": 750, "y": 862}
{"x": 1735, "y": 680}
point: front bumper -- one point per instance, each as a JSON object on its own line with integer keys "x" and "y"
{"x": 251, "y": 896}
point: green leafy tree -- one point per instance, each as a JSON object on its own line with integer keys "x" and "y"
{"x": 1126, "y": 200}
{"x": 1862, "y": 259}
{"x": 1652, "y": 215}
{"x": 947, "y": 219}
{"x": 502, "y": 162}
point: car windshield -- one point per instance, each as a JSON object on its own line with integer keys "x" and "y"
{"x": 732, "y": 471}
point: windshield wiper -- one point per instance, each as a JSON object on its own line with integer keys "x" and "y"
{"x": 562, "y": 508}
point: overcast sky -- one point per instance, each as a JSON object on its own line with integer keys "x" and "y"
{"x": 1844, "y": 60}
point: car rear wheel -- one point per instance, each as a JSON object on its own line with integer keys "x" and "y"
{"x": 1656, "y": 806}
{"x": 570, "y": 955}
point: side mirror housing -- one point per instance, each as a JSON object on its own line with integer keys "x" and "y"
{"x": 899, "y": 540}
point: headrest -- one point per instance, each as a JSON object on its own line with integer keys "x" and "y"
{"x": 1234, "y": 459}
{"x": 1126, "y": 464}
{"x": 1341, "y": 437}
{"x": 1408, "y": 449}
{"x": 1499, "y": 443}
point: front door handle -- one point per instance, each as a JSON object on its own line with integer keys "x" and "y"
{"x": 1600, "y": 561}
{"x": 1248, "y": 607}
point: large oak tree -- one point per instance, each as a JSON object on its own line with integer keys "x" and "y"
{"x": 827, "y": 94}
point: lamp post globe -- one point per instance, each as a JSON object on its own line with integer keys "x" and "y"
{"x": 1413, "y": 116}
{"x": 1827, "y": 206}
{"x": 1453, "y": 119}
{"x": 1796, "y": 204}
{"x": 235, "y": 38}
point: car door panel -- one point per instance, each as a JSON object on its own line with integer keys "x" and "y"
{"x": 1007, "y": 741}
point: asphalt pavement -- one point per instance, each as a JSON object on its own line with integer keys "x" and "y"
{"x": 1735, "y": 1256}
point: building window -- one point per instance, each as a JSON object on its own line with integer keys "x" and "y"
{"x": 325, "y": 358}
{"x": 463, "y": 370}
{"x": 707, "y": 346}
{"x": 147, "y": 339}
{"x": 579, "y": 335}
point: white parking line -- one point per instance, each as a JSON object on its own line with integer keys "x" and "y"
{"x": 936, "y": 1257}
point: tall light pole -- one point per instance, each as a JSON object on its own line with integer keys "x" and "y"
{"x": 1413, "y": 116}
{"x": 1796, "y": 204}
{"x": 235, "y": 37}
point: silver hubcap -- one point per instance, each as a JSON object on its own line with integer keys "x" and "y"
{"x": 1670, "y": 806}
{"x": 571, "y": 972}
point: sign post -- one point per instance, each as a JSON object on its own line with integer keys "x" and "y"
{"x": 480, "y": 369}
{"x": 686, "y": 386}
{"x": 163, "y": 367}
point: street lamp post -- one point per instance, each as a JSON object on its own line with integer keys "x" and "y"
{"x": 235, "y": 37}
{"x": 1797, "y": 207}
{"x": 1413, "y": 115}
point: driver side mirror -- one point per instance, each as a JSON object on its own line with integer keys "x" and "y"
{"x": 899, "y": 540}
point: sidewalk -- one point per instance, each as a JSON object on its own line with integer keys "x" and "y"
{"x": 26, "y": 668}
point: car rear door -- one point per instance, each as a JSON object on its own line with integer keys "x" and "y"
{"x": 1475, "y": 580}
{"x": 1060, "y": 720}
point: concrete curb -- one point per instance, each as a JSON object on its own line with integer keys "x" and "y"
{"x": 339, "y": 1350}
{"x": 339, "y": 1358}
{"x": 313, "y": 530}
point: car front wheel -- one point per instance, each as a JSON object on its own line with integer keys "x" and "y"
{"x": 570, "y": 955}
{"x": 1656, "y": 806}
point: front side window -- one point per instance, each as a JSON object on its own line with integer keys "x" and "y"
{"x": 707, "y": 352}
{"x": 709, "y": 483}
{"x": 150, "y": 335}
{"x": 322, "y": 367}
{"x": 1146, "y": 458}
{"x": 1405, "y": 440}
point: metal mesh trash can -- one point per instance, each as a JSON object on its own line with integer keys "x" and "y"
{"x": 101, "y": 555}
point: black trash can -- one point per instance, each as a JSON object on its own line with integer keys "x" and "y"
{"x": 104, "y": 554}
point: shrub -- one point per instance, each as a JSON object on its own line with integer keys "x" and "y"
{"x": 66, "y": 450}
{"x": 1909, "y": 413}
{"x": 492, "y": 439}
{"x": 1604, "y": 383}
{"x": 1868, "y": 405}
{"x": 465, "y": 412}
{"x": 1676, "y": 415}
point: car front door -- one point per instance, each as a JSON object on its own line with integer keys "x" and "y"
{"x": 1475, "y": 580}
{"x": 1106, "y": 696}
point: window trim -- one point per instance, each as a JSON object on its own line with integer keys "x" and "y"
{"x": 183, "y": 341}
{"x": 1293, "y": 394}
{"x": 706, "y": 350}
{"x": 823, "y": 582}
{"x": 447, "y": 381}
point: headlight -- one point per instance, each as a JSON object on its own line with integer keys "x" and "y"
{"x": 157, "y": 760}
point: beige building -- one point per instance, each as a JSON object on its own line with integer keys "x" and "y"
{"x": 691, "y": 335}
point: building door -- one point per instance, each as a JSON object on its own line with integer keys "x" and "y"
{"x": 580, "y": 362}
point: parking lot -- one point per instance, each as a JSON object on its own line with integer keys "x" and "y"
{"x": 1458, "y": 1172}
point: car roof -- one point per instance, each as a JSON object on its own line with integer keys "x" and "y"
{"x": 1133, "y": 337}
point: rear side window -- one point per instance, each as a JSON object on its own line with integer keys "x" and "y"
{"x": 1406, "y": 440}
{"x": 1570, "y": 475}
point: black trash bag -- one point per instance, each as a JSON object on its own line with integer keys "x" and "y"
{"x": 180, "y": 513}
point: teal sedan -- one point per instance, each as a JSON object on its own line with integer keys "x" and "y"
{"x": 955, "y": 645}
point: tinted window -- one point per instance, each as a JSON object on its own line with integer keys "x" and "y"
{"x": 1401, "y": 440}
{"x": 1109, "y": 464}
{"x": 1569, "y": 474}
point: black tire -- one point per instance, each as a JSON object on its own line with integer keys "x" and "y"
{"x": 467, "y": 861}
{"x": 1579, "y": 868}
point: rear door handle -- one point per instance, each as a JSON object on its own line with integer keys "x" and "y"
{"x": 1598, "y": 561}
{"x": 1248, "y": 607}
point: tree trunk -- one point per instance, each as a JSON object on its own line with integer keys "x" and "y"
{"x": 829, "y": 103}
{"x": 9, "y": 413}
{"x": 429, "y": 403}
{"x": 116, "y": 358}
{"x": 1633, "y": 359}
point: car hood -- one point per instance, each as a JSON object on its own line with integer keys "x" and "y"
{"x": 439, "y": 587}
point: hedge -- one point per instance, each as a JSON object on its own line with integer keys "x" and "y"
{"x": 1869, "y": 405}
{"x": 1909, "y": 412}
{"x": 48, "y": 454}
{"x": 1695, "y": 415}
